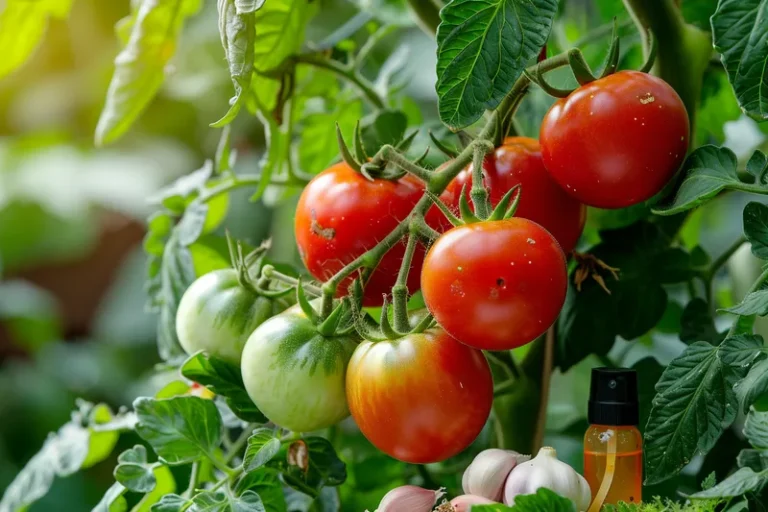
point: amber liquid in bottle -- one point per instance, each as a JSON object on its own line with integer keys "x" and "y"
{"x": 627, "y": 442}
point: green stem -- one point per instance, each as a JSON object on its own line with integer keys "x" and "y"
{"x": 755, "y": 286}
{"x": 723, "y": 259}
{"x": 546, "y": 378}
{"x": 428, "y": 14}
{"x": 371, "y": 43}
{"x": 683, "y": 50}
{"x": 479, "y": 193}
{"x": 239, "y": 443}
{"x": 429, "y": 481}
{"x": 270, "y": 273}
{"x": 400, "y": 290}
{"x": 193, "y": 479}
{"x": 346, "y": 72}
{"x": 388, "y": 153}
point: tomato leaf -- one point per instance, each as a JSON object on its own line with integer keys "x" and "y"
{"x": 756, "y": 228}
{"x": 140, "y": 67}
{"x": 318, "y": 148}
{"x": 482, "y": 49}
{"x": 756, "y": 303}
{"x": 281, "y": 26}
{"x": 262, "y": 447}
{"x": 740, "y": 34}
{"x": 388, "y": 127}
{"x": 754, "y": 385}
{"x": 741, "y": 482}
{"x": 171, "y": 503}
{"x": 708, "y": 171}
{"x": 220, "y": 501}
{"x": 166, "y": 484}
{"x": 22, "y": 26}
{"x": 76, "y": 445}
{"x": 266, "y": 483}
{"x": 237, "y": 26}
{"x": 323, "y": 466}
{"x": 181, "y": 429}
{"x": 697, "y": 324}
{"x": 543, "y": 501}
{"x": 223, "y": 378}
{"x": 695, "y": 403}
{"x": 113, "y": 500}
{"x": 134, "y": 472}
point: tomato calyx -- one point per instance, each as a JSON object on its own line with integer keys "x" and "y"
{"x": 583, "y": 73}
{"x": 253, "y": 263}
{"x": 373, "y": 168}
{"x": 337, "y": 323}
{"x": 505, "y": 208}
{"x": 383, "y": 330}
{"x": 588, "y": 265}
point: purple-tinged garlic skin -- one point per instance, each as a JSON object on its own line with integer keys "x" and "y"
{"x": 464, "y": 502}
{"x": 410, "y": 498}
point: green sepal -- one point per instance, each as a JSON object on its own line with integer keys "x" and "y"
{"x": 453, "y": 219}
{"x": 273, "y": 294}
{"x": 445, "y": 149}
{"x": 304, "y": 304}
{"x": 580, "y": 67}
{"x": 405, "y": 144}
{"x": 330, "y": 325}
{"x": 386, "y": 327}
{"x": 499, "y": 133}
{"x": 365, "y": 326}
{"x": 344, "y": 150}
{"x": 359, "y": 147}
{"x": 614, "y": 52}
{"x": 539, "y": 80}
{"x": 505, "y": 210}
{"x": 651, "y": 55}
{"x": 423, "y": 157}
{"x": 425, "y": 323}
{"x": 467, "y": 216}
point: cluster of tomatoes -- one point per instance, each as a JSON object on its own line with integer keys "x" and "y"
{"x": 490, "y": 285}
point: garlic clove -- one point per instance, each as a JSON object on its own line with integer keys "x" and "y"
{"x": 545, "y": 470}
{"x": 410, "y": 498}
{"x": 463, "y": 503}
{"x": 486, "y": 474}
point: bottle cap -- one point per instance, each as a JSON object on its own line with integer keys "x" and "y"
{"x": 613, "y": 397}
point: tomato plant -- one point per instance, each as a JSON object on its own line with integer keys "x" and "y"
{"x": 326, "y": 146}
{"x": 495, "y": 285}
{"x": 421, "y": 398}
{"x": 518, "y": 162}
{"x": 616, "y": 141}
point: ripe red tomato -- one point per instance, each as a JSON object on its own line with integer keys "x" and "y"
{"x": 518, "y": 161}
{"x": 495, "y": 285}
{"x": 341, "y": 214}
{"x": 421, "y": 398}
{"x": 616, "y": 141}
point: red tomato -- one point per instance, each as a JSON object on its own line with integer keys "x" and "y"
{"x": 341, "y": 214}
{"x": 616, "y": 141}
{"x": 495, "y": 285}
{"x": 421, "y": 398}
{"x": 518, "y": 161}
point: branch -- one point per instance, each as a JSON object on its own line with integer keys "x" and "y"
{"x": 346, "y": 72}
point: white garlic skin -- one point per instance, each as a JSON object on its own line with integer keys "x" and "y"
{"x": 409, "y": 497}
{"x": 486, "y": 475}
{"x": 546, "y": 471}
{"x": 463, "y": 503}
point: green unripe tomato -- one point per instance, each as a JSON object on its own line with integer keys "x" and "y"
{"x": 217, "y": 314}
{"x": 295, "y": 375}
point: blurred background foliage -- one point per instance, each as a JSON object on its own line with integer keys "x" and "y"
{"x": 72, "y": 316}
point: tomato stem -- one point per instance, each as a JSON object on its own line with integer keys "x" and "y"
{"x": 349, "y": 73}
{"x": 479, "y": 193}
{"x": 270, "y": 273}
{"x": 722, "y": 260}
{"x": 388, "y": 153}
{"x": 193, "y": 479}
{"x": 400, "y": 290}
{"x": 546, "y": 377}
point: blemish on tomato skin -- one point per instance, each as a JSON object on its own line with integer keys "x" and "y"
{"x": 647, "y": 98}
{"x": 317, "y": 229}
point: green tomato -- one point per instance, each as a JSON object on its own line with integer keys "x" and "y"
{"x": 295, "y": 375}
{"x": 217, "y": 314}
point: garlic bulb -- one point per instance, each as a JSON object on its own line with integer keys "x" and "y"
{"x": 486, "y": 475}
{"x": 463, "y": 503}
{"x": 409, "y": 497}
{"x": 546, "y": 471}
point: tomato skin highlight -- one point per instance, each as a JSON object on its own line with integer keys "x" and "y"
{"x": 296, "y": 376}
{"x": 616, "y": 141}
{"x": 422, "y": 398}
{"x": 341, "y": 214}
{"x": 518, "y": 162}
{"x": 495, "y": 285}
{"x": 217, "y": 315}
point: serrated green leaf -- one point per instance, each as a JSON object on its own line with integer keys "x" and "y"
{"x": 140, "y": 67}
{"x": 756, "y": 228}
{"x": 754, "y": 385}
{"x": 756, "y": 303}
{"x": 697, "y": 324}
{"x": 756, "y": 166}
{"x": 237, "y": 26}
{"x": 133, "y": 471}
{"x": 191, "y": 226}
{"x": 224, "y": 379}
{"x": 22, "y": 26}
{"x": 740, "y": 35}
{"x": 741, "y": 482}
{"x": 171, "y": 503}
{"x": 388, "y": 127}
{"x": 756, "y": 429}
{"x": 281, "y": 26}
{"x": 324, "y": 466}
{"x": 483, "y": 46}
{"x": 543, "y": 501}
{"x": 181, "y": 429}
{"x": 166, "y": 484}
{"x": 266, "y": 483}
{"x": 219, "y": 501}
{"x": 757, "y": 460}
{"x": 695, "y": 402}
{"x": 262, "y": 447}
{"x": 708, "y": 171}
{"x": 113, "y": 500}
